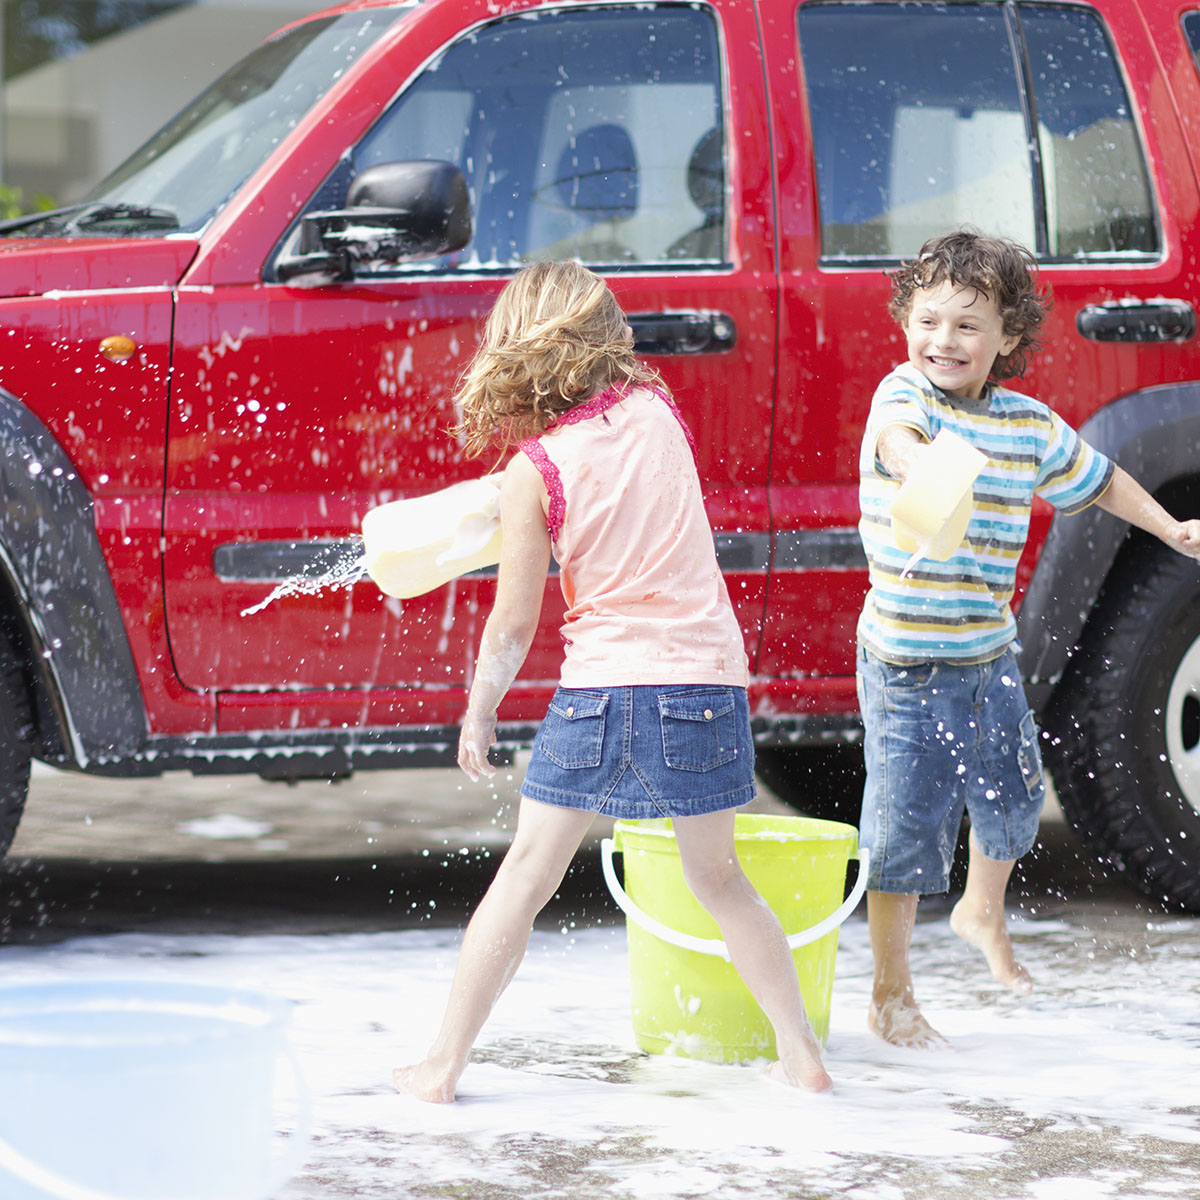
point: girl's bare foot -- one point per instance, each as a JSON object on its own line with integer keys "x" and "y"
{"x": 800, "y": 1066}
{"x": 990, "y": 936}
{"x": 897, "y": 1019}
{"x": 427, "y": 1081}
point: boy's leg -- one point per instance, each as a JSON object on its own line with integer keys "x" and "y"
{"x": 495, "y": 940}
{"x": 757, "y": 944}
{"x": 978, "y": 918}
{"x": 1005, "y": 804}
{"x": 893, "y": 1013}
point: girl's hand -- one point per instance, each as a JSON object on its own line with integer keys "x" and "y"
{"x": 478, "y": 733}
{"x": 1184, "y": 536}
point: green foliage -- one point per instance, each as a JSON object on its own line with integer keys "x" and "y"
{"x": 12, "y": 202}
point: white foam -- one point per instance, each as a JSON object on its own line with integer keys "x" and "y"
{"x": 1108, "y": 1046}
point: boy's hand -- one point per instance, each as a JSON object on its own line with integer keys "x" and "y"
{"x": 1184, "y": 536}
{"x": 478, "y": 733}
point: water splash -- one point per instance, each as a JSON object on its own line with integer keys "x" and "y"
{"x": 340, "y": 565}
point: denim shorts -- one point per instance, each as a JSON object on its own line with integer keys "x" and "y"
{"x": 646, "y": 751}
{"x": 941, "y": 738}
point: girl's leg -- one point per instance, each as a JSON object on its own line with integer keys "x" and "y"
{"x": 495, "y": 940}
{"x": 978, "y": 918}
{"x": 757, "y": 944}
{"x": 893, "y": 1013}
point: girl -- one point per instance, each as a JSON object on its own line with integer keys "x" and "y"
{"x": 650, "y": 718}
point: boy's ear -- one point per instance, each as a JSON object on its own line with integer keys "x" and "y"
{"x": 1009, "y": 344}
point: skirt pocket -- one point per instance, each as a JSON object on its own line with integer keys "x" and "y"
{"x": 572, "y": 735}
{"x": 699, "y": 729}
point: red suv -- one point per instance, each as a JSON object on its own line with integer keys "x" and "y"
{"x": 247, "y": 336}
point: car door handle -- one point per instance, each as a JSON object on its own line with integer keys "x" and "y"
{"x": 1138, "y": 321}
{"x": 683, "y": 332}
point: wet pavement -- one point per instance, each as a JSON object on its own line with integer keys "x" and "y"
{"x": 349, "y": 898}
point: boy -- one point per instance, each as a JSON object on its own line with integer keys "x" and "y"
{"x": 945, "y": 716}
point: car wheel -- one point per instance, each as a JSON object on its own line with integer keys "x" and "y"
{"x": 819, "y": 781}
{"x": 16, "y": 733}
{"x": 1123, "y": 734}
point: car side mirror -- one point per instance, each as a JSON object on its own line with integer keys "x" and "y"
{"x": 395, "y": 212}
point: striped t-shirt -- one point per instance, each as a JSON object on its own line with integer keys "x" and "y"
{"x": 958, "y": 611}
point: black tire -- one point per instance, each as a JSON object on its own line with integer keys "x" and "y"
{"x": 16, "y": 735}
{"x": 1123, "y": 733}
{"x": 819, "y": 781}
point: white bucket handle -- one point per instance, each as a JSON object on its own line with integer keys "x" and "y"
{"x": 715, "y": 946}
{"x": 34, "y": 1173}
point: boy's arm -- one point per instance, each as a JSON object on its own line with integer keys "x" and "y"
{"x": 1127, "y": 499}
{"x": 508, "y": 634}
{"x": 897, "y": 448}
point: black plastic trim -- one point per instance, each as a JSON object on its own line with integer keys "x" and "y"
{"x": 49, "y": 547}
{"x": 335, "y": 753}
{"x": 795, "y": 550}
{"x": 1154, "y": 435}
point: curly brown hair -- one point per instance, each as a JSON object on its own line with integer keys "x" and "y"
{"x": 997, "y": 267}
{"x": 555, "y": 338}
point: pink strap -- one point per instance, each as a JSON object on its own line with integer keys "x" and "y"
{"x": 557, "y": 508}
{"x": 665, "y": 397}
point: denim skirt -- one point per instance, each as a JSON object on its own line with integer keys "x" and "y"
{"x": 644, "y": 751}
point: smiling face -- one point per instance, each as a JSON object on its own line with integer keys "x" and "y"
{"x": 955, "y": 335}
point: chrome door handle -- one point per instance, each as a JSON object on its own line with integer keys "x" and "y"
{"x": 1138, "y": 321}
{"x": 683, "y": 332}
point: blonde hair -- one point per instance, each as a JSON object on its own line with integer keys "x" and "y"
{"x": 555, "y": 337}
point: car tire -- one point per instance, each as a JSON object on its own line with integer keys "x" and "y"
{"x": 818, "y": 781}
{"x": 16, "y": 734}
{"x": 1123, "y": 733}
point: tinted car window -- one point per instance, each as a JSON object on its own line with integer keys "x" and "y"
{"x": 921, "y": 121}
{"x": 911, "y": 140}
{"x": 1191, "y": 30}
{"x": 1097, "y": 188}
{"x": 589, "y": 133}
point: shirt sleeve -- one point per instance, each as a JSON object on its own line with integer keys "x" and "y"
{"x": 1071, "y": 474}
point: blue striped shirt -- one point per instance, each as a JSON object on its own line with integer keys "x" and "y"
{"x": 959, "y": 611}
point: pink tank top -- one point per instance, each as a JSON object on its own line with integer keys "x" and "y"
{"x": 646, "y": 603}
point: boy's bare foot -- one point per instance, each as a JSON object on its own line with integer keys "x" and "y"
{"x": 898, "y": 1020}
{"x": 987, "y": 934}
{"x": 427, "y": 1082}
{"x": 800, "y": 1066}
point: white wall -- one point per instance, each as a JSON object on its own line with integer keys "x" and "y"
{"x": 68, "y": 123}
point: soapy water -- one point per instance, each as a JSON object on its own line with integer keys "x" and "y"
{"x": 1085, "y": 1088}
{"x": 335, "y": 565}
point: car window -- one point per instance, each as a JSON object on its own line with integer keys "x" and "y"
{"x": 922, "y": 121}
{"x": 591, "y": 133}
{"x": 1191, "y": 30}
{"x": 1097, "y": 189}
{"x": 188, "y": 170}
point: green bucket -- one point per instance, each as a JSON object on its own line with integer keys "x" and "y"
{"x": 687, "y": 997}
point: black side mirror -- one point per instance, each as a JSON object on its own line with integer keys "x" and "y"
{"x": 395, "y": 212}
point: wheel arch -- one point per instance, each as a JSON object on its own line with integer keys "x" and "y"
{"x": 1154, "y": 435}
{"x": 59, "y": 608}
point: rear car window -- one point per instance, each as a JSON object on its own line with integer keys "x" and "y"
{"x": 1014, "y": 119}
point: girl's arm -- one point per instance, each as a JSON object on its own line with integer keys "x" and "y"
{"x": 1127, "y": 499}
{"x": 524, "y": 562}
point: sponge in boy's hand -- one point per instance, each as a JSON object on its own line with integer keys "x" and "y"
{"x": 413, "y": 546}
{"x": 932, "y": 508}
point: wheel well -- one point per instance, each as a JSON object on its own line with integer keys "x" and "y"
{"x": 1181, "y": 498}
{"x": 48, "y": 742}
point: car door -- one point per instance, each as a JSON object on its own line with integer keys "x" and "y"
{"x": 899, "y": 121}
{"x": 631, "y": 137}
